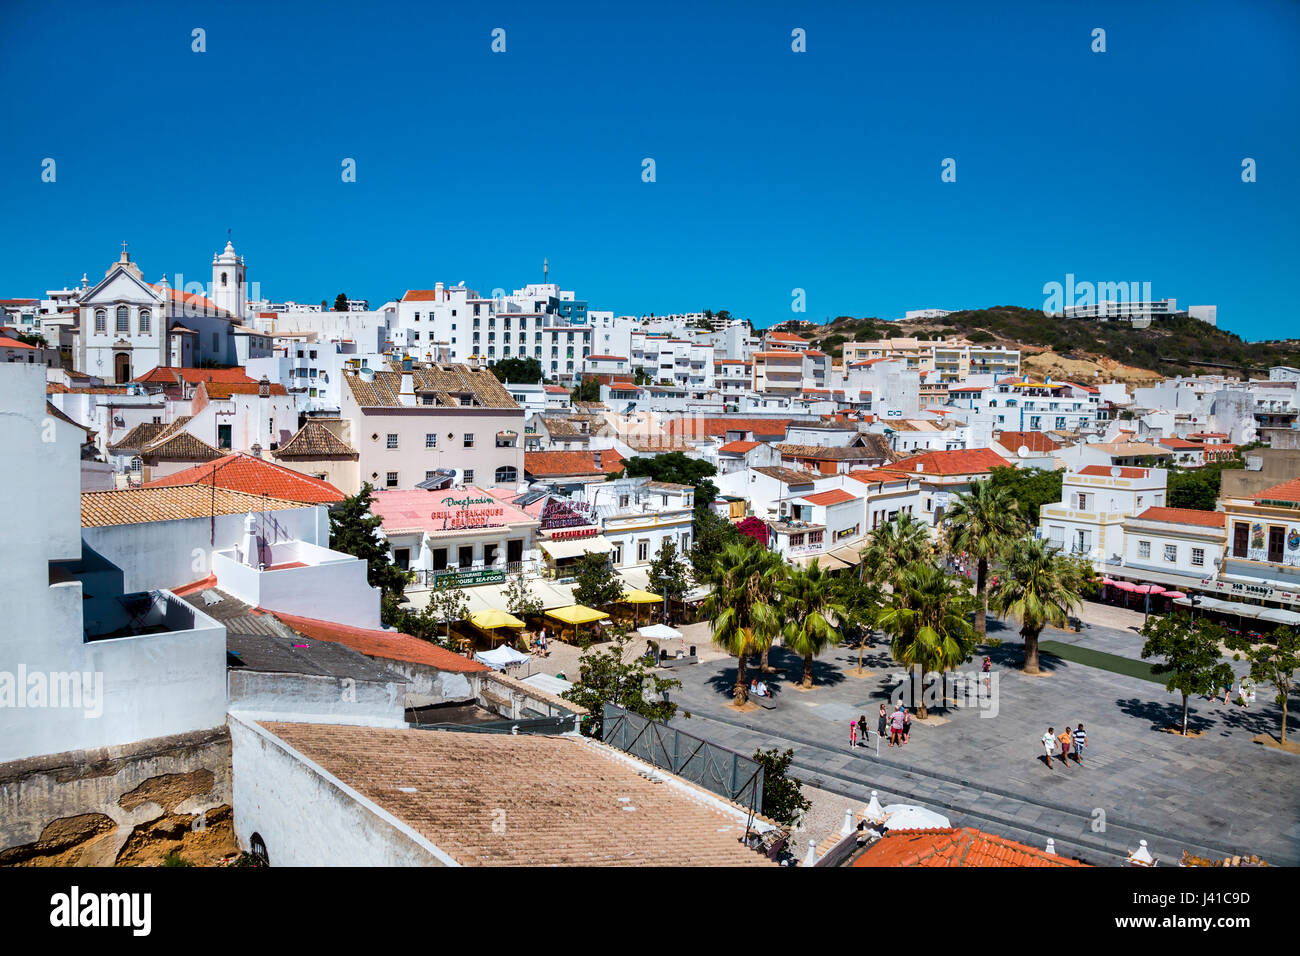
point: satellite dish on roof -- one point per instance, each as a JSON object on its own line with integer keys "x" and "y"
{"x": 1022, "y": 451}
{"x": 1116, "y": 471}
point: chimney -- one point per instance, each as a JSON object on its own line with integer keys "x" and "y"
{"x": 407, "y": 394}
{"x": 256, "y": 450}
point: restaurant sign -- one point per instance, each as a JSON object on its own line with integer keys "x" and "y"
{"x": 468, "y": 512}
{"x": 471, "y": 578}
{"x": 1260, "y": 592}
{"x": 568, "y": 514}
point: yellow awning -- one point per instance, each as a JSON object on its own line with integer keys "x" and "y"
{"x": 577, "y": 614}
{"x": 637, "y": 596}
{"x": 493, "y": 618}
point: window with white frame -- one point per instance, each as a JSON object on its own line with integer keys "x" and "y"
{"x": 1198, "y": 557}
{"x": 469, "y": 439}
{"x": 392, "y": 440}
{"x": 469, "y": 476}
{"x": 123, "y": 319}
{"x": 430, "y": 440}
{"x": 101, "y": 320}
{"x": 1171, "y": 553}
{"x": 642, "y": 550}
{"x": 1144, "y": 549}
{"x": 390, "y": 480}
{"x": 143, "y": 323}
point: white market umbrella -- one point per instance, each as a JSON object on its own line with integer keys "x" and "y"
{"x": 659, "y": 632}
{"x": 905, "y": 816}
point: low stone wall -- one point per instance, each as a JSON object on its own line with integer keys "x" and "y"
{"x": 120, "y": 806}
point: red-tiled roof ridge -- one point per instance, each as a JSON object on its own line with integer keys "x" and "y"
{"x": 834, "y": 496}
{"x": 961, "y": 461}
{"x": 1210, "y": 519}
{"x": 255, "y": 476}
{"x": 390, "y": 645}
{"x": 954, "y": 847}
{"x": 1288, "y": 491}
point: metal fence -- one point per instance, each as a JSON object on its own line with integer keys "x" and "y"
{"x": 715, "y": 768}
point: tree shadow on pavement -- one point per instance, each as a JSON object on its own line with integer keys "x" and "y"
{"x": 1165, "y": 714}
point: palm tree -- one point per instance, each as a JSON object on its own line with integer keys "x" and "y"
{"x": 982, "y": 523}
{"x": 894, "y": 545}
{"x": 808, "y": 605}
{"x": 1039, "y": 587}
{"x": 745, "y": 579}
{"x": 926, "y": 617}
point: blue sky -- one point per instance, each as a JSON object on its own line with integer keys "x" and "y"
{"x": 775, "y": 170}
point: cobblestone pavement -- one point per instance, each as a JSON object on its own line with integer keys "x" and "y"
{"x": 1215, "y": 794}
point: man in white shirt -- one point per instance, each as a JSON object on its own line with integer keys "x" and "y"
{"x": 1049, "y": 742}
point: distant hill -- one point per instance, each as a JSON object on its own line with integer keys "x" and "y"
{"x": 1174, "y": 346}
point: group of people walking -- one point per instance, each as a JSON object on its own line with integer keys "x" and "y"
{"x": 897, "y": 727}
{"x": 1064, "y": 743}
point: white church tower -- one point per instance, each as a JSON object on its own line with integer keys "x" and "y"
{"x": 228, "y": 282}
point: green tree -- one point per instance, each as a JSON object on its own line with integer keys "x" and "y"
{"x": 670, "y": 574}
{"x": 983, "y": 523}
{"x": 741, "y": 607}
{"x": 672, "y": 467}
{"x": 862, "y": 601}
{"x": 605, "y": 677}
{"x": 1272, "y": 662}
{"x": 711, "y": 533}
{"x": 520, "y": 371}
{"x": 588, "y": 390}
{"x": 925, "y": 615}
{"x": 341, "y": 302}
{"x": 33, "y": 338}
{"x": 1193, "y": 663}
{"x": 1198, "y": 488}
{"x": 1039, "y": 587}
{"x": 893, "y": 546}
{"x": 520, "y": 600}
{"x": 355, "y": 531}
{"x": 783, "y": 799}
{"x": 641, "y": 377}
{"x": 598, "y": 584}
{"x": 448, "y": 603}
{"x": 1030, "y": 487}
{"x": 811, "y": 613}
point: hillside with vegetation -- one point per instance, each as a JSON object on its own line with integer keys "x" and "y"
{"x": 1075, "y": 348}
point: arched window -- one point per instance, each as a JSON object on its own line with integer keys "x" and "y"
{"x": 144, "y": 322}
{"x": 507, "y": 475}
{"x": 257, "y": 850}
{"x": 223, "y": 278}
{"x": 123, "y": 319}
{"x": 101, "y": 320}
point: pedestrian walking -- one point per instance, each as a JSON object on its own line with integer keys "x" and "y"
{"x": 864, "y": 735}
{"x": 1065, "y": 740}
{"x": 1227, "y": 692}
{"x": 882, "y": 724}
{"x": 1080, "y": 742}
{"x": 896, "y": 728}
{"x": 853, "y": 733}
{"x": 907, "y": 725}
{"x": 1049, "y": 743}
{"x": 988, "y": 669}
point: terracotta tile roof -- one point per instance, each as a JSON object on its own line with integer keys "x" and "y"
{"x": 1034, "y": 441}
{"x": 1129, "y": 448}
{"x": 955, "y": 847}
{"x": 556, "y": 390}
{"x": 172, "y": 503}
{"x": 827, "y": 452}
{"x": 541, "y": 464}
{"x": 572, "y": 801}
{"x": 446, "y": 383}
{"x": 1288, "y": 491}
{"x": 739, "y": 447}
{"x": 255, "y": 476}
{"x": 1181, "y": 444}
{"x": 315, "y": 440}
{"x": 7, "y": 342}
{"x": 138, "y": 438}
{"x": 698, "y": 427}
{"x": 655, "y": 444}
{"x": 421, "y": 295}
{"x": 168, "y": 375}
{"x": 221, "y": 390}
{"x": 176, "y": 444}
{"x": 1208, "y": 519}
{"x": 191, "y": 300}
{"x": 833, "y": 497}
{"x": 561, "y": 427}
{"x": 786, "y": 337}
{"x": 56, "y": 388}
{"x": 389, "y": 645}
{"x": 1104, "y": 471}
{"x": 874, "y": 475}
{"x": 967, "y": 461}
{"x": 787, "y": 476}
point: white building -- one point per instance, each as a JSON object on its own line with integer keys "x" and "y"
{"x": 1088, "y": 521}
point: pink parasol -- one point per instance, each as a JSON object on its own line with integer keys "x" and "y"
{"x": 1175, "y": 595}
{"x": 1125, "y": 586}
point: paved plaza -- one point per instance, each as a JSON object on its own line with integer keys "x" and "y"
{"x": 1216, "y": 794}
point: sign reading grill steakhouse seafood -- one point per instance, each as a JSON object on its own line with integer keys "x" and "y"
{"x": 468, "y": 512}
